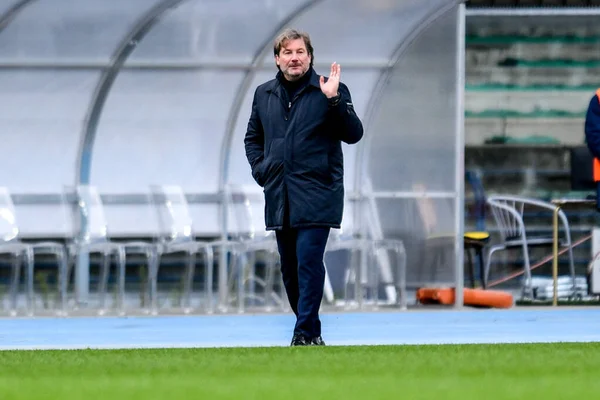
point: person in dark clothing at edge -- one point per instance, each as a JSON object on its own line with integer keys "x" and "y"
{"x": 592, "y": 125}
{"x": 293, "y": 145}
{"x": 592, "y": 139}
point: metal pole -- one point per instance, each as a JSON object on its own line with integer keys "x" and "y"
{"x": 555, "y": 256}
{"x": 460, "y": 156}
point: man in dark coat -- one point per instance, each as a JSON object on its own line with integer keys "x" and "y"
{"x": 293, "y": 145}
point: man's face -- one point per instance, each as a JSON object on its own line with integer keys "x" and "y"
{"x": 293, "y": 59}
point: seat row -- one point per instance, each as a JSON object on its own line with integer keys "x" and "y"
{"x": 237, "y": 278}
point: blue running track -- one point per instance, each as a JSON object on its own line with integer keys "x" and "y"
{"x": 411, "y": 327}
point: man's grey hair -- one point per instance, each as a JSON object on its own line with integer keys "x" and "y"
{"x": 293, "y": 34}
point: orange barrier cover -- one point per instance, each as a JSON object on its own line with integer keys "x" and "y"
{"x": 472, "y": 297}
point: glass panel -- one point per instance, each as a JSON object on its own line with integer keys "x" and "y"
{"x": 363, "y": 31}
{"x": 413, "y": 132}
{"x": 214, "y": 30}
{"x": 163, "y": 127}
{"x": 70, "y": 30}
{"x": 413, "y": 153}
{"x": 41, "y": 119}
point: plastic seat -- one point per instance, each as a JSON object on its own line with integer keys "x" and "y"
{"x": 24, "y": 253}
{"x": 176, "y": 234}
{"x": 370, "y": 268}
{"x": 244, "y": 204}
{"x": 176, "y": 218}
{"x": 93, "y": 237}
{"x": 508, "y": 213}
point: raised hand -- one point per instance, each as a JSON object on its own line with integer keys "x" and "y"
{"x": 330, "y": 88}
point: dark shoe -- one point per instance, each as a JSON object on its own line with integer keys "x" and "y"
{"x": 317, "y": 341}
{"x": 300, "y": 340}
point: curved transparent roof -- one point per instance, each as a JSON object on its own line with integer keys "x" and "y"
{"x": 363, "y": 33}
{"x": 217, "y": 32}
{"x": 5, "y": 5}
{"x": 63, "y": 31}
{"x": 144, "y": 92}
{"x": 177, "y": 109}
{"x": 364, "y": 38}
{"x": 193, "y": 63}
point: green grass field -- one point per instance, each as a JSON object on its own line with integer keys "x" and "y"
{"x": 544, "y": 371}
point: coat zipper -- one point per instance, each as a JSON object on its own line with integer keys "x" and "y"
{"x": 285, "y": 175}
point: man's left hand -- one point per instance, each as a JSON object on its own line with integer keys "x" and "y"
{"x": 330, "y": 88}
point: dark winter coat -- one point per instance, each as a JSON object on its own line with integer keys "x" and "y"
{"x": 295, "y": 152}
{"x": 592, "y": 126}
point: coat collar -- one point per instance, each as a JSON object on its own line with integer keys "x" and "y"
{"x": 312, "y": 81}
{"x": 314, "y": 78}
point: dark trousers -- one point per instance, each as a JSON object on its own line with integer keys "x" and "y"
{"x": 301, "y": 252}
